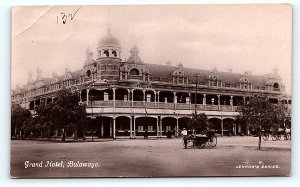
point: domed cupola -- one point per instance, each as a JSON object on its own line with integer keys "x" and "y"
{"x": 109, "y": 46}
{"x": 134, "y": 56}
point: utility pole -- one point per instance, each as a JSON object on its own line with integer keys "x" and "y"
{"x": 196, "y": 75}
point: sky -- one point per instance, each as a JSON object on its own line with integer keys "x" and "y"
{"x": 256, "y": 38}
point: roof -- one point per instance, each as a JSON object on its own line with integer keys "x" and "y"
{"x": 165, "y": 71}
{"x": 109, "y": 41}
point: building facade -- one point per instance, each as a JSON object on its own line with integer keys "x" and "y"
{"x": 125, "y": 98}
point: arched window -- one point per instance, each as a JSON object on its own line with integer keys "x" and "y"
{"x": 276, "y": 87}
{"x": 134, "y": 72}
{"x": 88, "y": 73}
{"x": 106, "y": 53}
{"x": 114, "y": 53}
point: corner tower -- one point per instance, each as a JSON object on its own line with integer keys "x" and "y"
{"x": 108, "y": 57}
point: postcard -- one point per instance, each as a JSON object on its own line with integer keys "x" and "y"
{"x": 151, "y": 90}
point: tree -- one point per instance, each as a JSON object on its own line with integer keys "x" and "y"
{"x": 260, "y": 114}
{"x": 65, "y": 113}
{"x": 199, "y": 122}
{"x": 19, "y": 115}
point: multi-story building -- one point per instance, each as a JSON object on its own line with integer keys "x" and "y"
{"x": 125, "y": 98}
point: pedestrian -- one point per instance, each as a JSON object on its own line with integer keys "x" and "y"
{"x": 146, "y": 134}
{"x": 184, "y": 134}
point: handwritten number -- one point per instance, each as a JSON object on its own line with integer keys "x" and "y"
{"x": 65, "y": 17}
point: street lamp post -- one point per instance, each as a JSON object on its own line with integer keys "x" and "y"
{"x": 92, "y": 117}
{"x": 196, "y": 75}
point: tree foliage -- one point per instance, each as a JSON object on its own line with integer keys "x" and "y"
{"x": 19, "y": 116}
{"x": 64, "y": 113}
{"x": 260, "y": 114}
{"x": 198, "y": 122}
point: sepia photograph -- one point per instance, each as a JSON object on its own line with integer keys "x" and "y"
{"x": 151, "y": 90}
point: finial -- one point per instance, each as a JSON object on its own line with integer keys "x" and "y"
{"x": 38, "y": 73}
{"x": 29, "y": 76}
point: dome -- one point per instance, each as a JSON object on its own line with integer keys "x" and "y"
{"x": 109, "y": 41}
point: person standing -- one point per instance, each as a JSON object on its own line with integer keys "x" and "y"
{"x": 184, "y": 134}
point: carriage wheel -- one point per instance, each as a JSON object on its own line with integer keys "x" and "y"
{"x": 200, "y": 145}
{"x": 212, "y": 142}
{"x": 278, "y": 137}
{"x": 274, "y": 137}
{"x": 265, "y": 137}
{"x": 287, "y": 136}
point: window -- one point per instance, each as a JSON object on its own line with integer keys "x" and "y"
{"x": 150, "y": 128}
{"x": 106, "y": 53}
{"x": 134, "y": 72}
{"x": 88, "y": 73}
{"x": 140, "y": 128}
{"x": 114, "y": 53}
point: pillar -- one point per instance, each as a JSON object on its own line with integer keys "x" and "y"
{"x": 244, "y": 100}
{"x": 157, "y": 126}
{"x": 144, "y": 96}
{"x": 222, "y": 126}
{"x": 219, "y": 102}
{"x": 87, "y": 96}
{"x": 160, "y": 126}
{"x": 158, "y": 96}
{"x": 110, "y": 128}
{"x": 52, "y": 100}
{"x": 177, "y": 127}
{"x": 130, "y": 126}
{"x": 132, "y": 99}
{"x": 174, "y": 98}
{"x": 80, "y": 96}
{"x": 114, "y": 97}
{"x": 102, "y": 128}
{"x": 204, "y": 101}
{"x": 133, "y": 127}
{"x": 128, "y": 97}
{"x": 114, "y": 128}
{"x": 231, "y": 102}
{"x": 234, "y": 128}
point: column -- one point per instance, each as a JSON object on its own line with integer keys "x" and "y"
{"x": 219, "y": 102}
{"x": 132, "y": 97}
{"x": 114, "y": 97}
{"x": 87, "y": 96}
{"x": 234, "y": 128}
{"x": 102, "y": 128}
{"x": 160, "y": 126}
{"x": 110, "y": 128}
{"x": 80, "y": 96}
{"x": 52, "y": 99}
{"x": 158, "y": 96}
{"x": 133, "y": 127}
{"x": 174, "y": 98}
{"x": 177, "y": 127}
{"x": 128, "y": 97}
{"x": 114, "y": 127}
{"x": 222, "y": 126}
{"x": 231, "y": 102}
{"x": 130, "y": 126}
{"x": 204, "y": 101}
{"x": 144, "y": 96}
{"x": 239, "y": 128}
{"x": 157, "y": 126}
{"x": 45, "y": 101}
{"x": 244, "y": 100}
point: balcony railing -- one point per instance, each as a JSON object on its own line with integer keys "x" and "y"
{"x": 161, "y": 105}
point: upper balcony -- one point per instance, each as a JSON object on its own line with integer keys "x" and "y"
{"x": 160, "y": 105}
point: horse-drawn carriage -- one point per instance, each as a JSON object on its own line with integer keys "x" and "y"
{"x": 277, "y": 134}
{"x": 205, "y": 138}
